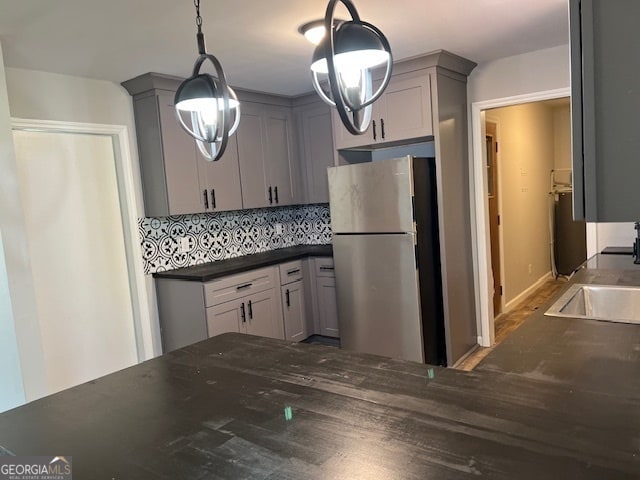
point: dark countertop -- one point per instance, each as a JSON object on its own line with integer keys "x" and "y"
{"x": 595, "y": 355}
{"x": 212, "y": 270}
{"x": 243, "y": 407}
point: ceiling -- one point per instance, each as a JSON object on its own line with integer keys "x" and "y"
{"x": 256, "y": 40}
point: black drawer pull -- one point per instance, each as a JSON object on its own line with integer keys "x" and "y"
{"x": 242, "y": 314}
{"x": 294, "y": 271}
{"x": 287, "y": 297}
{"x": 250, "y": 311}
{"x": 242, "y": 287}
{"x": 275, "y": 189}
{"x": 327, "y": 268}
{"x": 213, "y": 198}
{"x": 270, "y": 196}
{"x": 206, "y": 199}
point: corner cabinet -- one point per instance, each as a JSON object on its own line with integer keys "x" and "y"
{"x": 403, "y": 112}
{"x": 265, "y": 152}
{"x": 605, "y": 101}
{"x": 176, "y": 179}
{"x": 315, "y": 140}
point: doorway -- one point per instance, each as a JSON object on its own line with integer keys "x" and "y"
{"x": 82, "y": 240}
{"x": 487, "y": 303}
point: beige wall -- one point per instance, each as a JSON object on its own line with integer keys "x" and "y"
{"x": 526, "y": 158}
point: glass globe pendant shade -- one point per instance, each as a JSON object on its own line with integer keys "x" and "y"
{"x": 346, "y": 57}
{"x": 200, "y": 107}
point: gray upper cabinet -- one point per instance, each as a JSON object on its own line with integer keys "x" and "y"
{"x": 251, "y": 154}
{"x": 605, "y": 101}
{"x": 265, "y": 150}
{"x": 316, "y": 149}
{"x": 176, "y": 179}
{"x": 402, "y": 113}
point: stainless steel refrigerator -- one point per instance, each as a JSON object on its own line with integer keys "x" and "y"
{"x": 387, "y": 259}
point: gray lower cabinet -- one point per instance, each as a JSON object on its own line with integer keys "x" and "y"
{"x": 325, "y": 297}
{"x": 247, "y": 302}
{"x": 293, "y": 301}
{"x": 605, "y": 101}
{"x": 315, "y": 139}
{"x": 265, "y": 151}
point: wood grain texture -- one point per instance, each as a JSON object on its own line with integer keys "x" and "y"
{"x": 218, "y": 409}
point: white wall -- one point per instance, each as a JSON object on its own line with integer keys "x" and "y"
{"x": 47, "y": 96}
{"x": 532, "y": 72}
{"x": 20, "y": 321}
{"x": 525, "y": 161}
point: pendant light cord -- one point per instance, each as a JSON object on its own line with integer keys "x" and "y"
{"x": 199, "y": 35}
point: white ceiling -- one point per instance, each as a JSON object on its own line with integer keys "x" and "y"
{"x": 256, "y": 40}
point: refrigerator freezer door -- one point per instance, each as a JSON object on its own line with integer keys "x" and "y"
{"x": 372, "y": 197}
{"x": 377, "y": 294}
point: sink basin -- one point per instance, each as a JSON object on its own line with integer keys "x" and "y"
{"x": 599, "y": 302}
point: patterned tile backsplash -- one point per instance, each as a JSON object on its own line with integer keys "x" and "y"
{"x": 217, "y": 236}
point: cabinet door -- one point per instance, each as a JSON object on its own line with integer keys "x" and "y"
{"x": 404, "y": 111}
{"x": 251, "y": 156}
{"x": 224, "y": 318}
{"x": 279, "y": 159}
{"x": 262, "y": 314}
{"x": 181, "y": 170}
{"x": 221, "y": 179}
{"x": 317, "y": 150}
{"x": 293, "y": 307}
{"x": 605, "y": 101}
{"x": 327, "y": 307}
{"x": 343, "y": 139}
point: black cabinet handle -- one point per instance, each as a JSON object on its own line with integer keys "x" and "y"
{"x": 270, "y": 196}
{"x": 275, "y": 189}
{"x": 213, "y": 198}
{"x": 242, "y": 314}
{"x": 242, "y": 287}
{"x": 206, "y": 199}
{"x": 327, "y": 268}
{"x": 250, "y": 310}
{"x": 382, "y": 127}
{"x": 374, "y": 130}
{"x": 287, "y": 297}
{"x": 294, "y": 271}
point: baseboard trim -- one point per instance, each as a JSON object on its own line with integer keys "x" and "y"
{"x": 523, "y": 295}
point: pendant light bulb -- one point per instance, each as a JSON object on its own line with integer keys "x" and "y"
{"x": 206, "y": 106}
{"x": 346, "y": 56}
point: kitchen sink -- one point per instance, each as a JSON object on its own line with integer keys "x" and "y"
{"x": 599, "y": 302}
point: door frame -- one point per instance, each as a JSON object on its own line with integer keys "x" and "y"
{"x": 480, "y": 206}
{"x": 126, "y": 178}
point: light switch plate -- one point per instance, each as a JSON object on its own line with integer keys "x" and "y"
{"x": 184, "y": 244}
{"x": 279, "y": 229}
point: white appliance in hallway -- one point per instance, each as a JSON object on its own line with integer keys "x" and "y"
{"x": 387, "y": 258}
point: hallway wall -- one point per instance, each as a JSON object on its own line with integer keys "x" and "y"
{"x": 525, "y": 159}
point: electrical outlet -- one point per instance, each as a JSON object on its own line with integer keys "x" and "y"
{"x": 530, "y": 269}
{"x": 279, "y": 229}
{"x": 184, "y": 244}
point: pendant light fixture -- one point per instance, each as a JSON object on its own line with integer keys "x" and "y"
{"x": 206, "y": 106}
{"x": 347, "y": 55}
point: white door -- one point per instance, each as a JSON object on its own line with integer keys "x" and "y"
{"x": 74, "y": 224}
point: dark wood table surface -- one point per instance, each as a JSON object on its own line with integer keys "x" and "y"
{"x": 244, "y": 407}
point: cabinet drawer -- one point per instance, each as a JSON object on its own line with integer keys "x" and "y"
{"x": 236, "y": 286}
{"x": 290, "y": 272}
{"x": 324, "y": 267}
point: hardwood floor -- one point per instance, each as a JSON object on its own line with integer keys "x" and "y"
{"x": 507, "y": 323}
